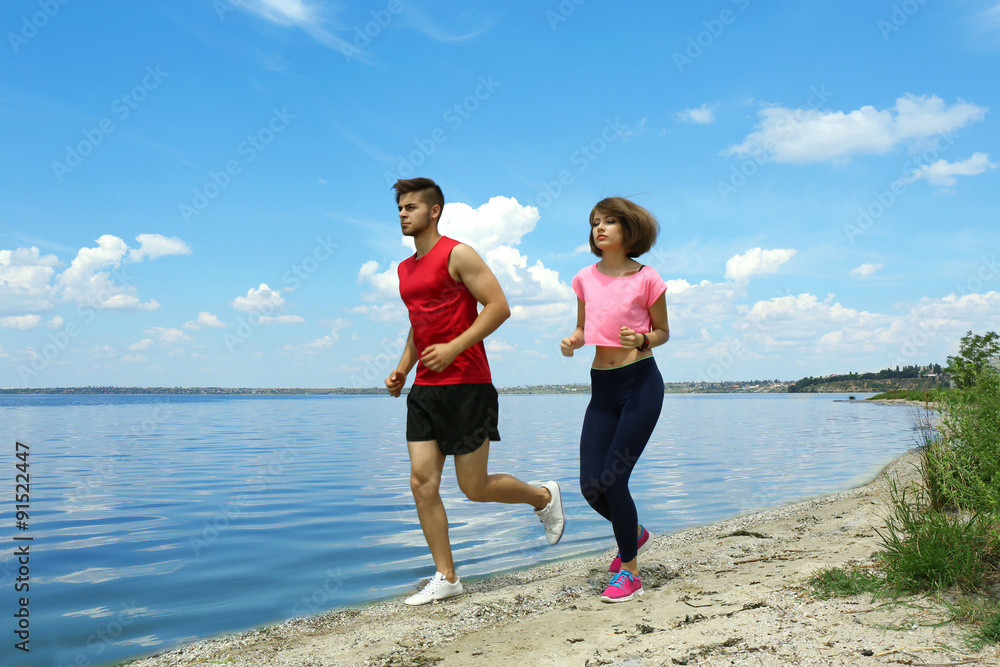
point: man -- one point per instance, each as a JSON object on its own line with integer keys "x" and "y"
{"x": 452, "y": 408}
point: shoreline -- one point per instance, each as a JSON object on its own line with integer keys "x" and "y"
{"x": 728, "y": 593}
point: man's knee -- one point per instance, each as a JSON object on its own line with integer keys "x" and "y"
{"x": 425, "y": 488}
{"x": 474, "y": 491}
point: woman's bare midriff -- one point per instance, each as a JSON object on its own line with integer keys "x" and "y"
{"x": 613, "y": 357}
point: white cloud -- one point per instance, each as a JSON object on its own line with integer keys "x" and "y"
{"x": 677, "y": 286}
{"x": 143, "y": 344}
{"x": 205, "y": 319}
{"x": 755, "y": 262}
{"x": 26, "y": 280}
{"x": 385, "y": 285}
{"x": 102, "y": 352}
{"x": 281, "y": 319}
{"x": 802, "y": 136}
{"x": 168, "y": 336}
{"x": 980, "y": 311}
{"x": 865, "y": 271}
{"x": 500, "y": 221}
{"x": 88, "y": 280}
{"x": 3, "y": 354}
{"x": 95, "y": 277}
{"x": 261, "y": 299}
{"x": 56, "y": 322}
{"x": 322, "y": 342}
{"x": 703, "y": 115}
{"x": 493, "y": 230}
{"x": 306, "y": 16}
{"x": 496, "y": 346}
{"x": 548, "y": 313}
{"x": 385, "y": 312}
{"x": 943, "y": 173}
{"x": 133, "y": 358}
{"x": 23, "y": 322}
{"x": 157, "y": 245}
{"x": 282, "y": 12}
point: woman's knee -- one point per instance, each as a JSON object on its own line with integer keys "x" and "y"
{"x": 592, "y": 493}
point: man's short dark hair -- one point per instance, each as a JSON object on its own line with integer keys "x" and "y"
{"x": 429, "y": 191}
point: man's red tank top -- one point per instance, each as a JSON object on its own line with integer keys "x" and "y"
{"x": 441, "y": 308}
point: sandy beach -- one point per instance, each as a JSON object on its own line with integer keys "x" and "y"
{"x": 730, "y": 593}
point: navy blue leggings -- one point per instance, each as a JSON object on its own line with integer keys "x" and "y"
{"x": 624, "y": 405}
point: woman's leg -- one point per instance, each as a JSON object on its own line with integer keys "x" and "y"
{"x": 599, "y": 425}
{"x": 635, "y": 426}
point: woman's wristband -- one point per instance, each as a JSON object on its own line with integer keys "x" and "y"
{"x": 645, "y": 343}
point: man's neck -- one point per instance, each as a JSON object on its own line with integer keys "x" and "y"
{"x": 426, "y": 240}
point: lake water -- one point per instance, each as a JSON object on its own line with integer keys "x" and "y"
{"x": 157, "y": 520}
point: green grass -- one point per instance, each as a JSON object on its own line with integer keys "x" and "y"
{"x": 982, "y": 616}
{"x": 921, "y": 395}
{"x": 941, "y": 536}
{"x": 841, "y": 582}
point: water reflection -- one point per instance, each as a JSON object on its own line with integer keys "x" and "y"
{"x": 214, "y": 514}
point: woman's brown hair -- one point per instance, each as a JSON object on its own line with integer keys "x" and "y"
{"x": 639, "y": 226}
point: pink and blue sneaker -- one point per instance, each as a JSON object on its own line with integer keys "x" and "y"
{"x": 644, "y": 544}
{"x": 624, "y": 586}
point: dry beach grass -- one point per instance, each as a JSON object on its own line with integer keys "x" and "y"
{"x": 731, "y": 593}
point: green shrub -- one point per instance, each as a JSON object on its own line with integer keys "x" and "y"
{"x": 928, "y": 549}
{"x": 971, "y": 427}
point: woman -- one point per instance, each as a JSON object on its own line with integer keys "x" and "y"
{"x": 622, "y": 311}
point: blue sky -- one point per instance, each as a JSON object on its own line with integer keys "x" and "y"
{"x": 197, "y": 193}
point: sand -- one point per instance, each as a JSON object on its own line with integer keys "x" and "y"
{"x": 731, "y": 593}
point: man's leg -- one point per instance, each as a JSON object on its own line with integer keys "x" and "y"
{"x": 481, "y": 487}
{"x": 426, "y": 464}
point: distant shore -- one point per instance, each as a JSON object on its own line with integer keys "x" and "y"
{"x": 731, "y": 593}
{"x": 670, "y": 388}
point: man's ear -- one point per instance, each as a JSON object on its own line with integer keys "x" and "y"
{"x": 436, "y": 215}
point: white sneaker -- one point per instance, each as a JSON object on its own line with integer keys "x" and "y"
{"x": 438, "y": 588}
{"x": 552, "y": 516}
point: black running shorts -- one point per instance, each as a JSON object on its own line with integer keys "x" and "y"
{"x": 461, "y": 417}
